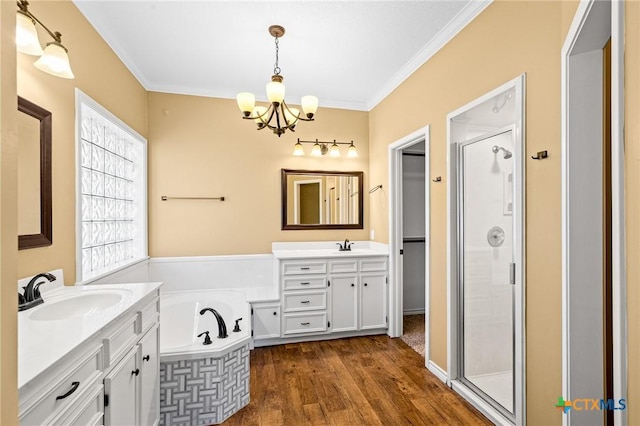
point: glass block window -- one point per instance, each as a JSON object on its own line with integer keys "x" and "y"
{"x": 111, "y": 175}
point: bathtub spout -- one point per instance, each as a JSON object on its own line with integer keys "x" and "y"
{"x": 222, "y": 327}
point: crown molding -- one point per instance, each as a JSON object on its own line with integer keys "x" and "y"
{"x": 444, "y": 36}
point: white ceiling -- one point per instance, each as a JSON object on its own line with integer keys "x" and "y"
{"x": 350, "y": 54}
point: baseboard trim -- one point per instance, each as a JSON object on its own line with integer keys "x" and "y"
{"x": 437, "y": 371}
{"x": 417, "y": 311}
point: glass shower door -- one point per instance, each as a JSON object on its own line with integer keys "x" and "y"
{"x": 486, "y": 256}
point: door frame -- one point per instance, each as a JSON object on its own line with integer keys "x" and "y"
{"x": 582, "y": 32}
{"x": 296, "y": 199}
{"x": 453, "y": 310}
{"x": 396, "y": 287}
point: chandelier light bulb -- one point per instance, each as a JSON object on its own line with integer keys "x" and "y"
{"x": 275, "y": 92}
{"x": 246, "y": 102}
{"x": 309, "y": 105}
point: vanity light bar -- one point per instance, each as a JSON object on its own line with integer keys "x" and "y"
{"x": 165, "y": 198}
{"x": 322, "y": 148}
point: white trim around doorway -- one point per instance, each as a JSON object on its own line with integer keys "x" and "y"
{"x": 395, "y": 233}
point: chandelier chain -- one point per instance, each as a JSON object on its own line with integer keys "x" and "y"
{"x": 276, "y": 68}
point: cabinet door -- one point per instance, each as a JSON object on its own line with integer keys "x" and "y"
{"x": 149, "y": 378}
{"x": 266, "y": 321}
{"x": 120, "y": 386}
{"x": 373, "y": 300}
{"x": 344, "y": 307}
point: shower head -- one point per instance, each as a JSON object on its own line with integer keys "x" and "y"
{"x": 496, "y": 149}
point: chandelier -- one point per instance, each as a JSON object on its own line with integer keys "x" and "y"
{"x": 278, "y": 116}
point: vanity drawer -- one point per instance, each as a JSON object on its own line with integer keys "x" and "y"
{"x": 373, "y": 264}
{"x": 120, "y": 339}
{"x": 54, "y": 401}
{"x": 303, "y": 283}
{"x": 304, "y": 267}
{"x": 90, "y": 410}
{"x": 305, "y": 323}
{"x": 305, "y": 301}
{"x": 338, "y": 266}
{"x": 149, "y": 315}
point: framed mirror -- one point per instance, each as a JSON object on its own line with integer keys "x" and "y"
{"x": 314, "y": 199}
{"x": 34, "y": 176}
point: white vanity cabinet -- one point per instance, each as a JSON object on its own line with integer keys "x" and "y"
{"x": 345, "y": 294}
{"x": 304, "y": 297}
{"x": 358, "y": 294}
{"x": 132, "y": 385}
{"x": 266, "y": 320}
{"x": 95, "y": 382}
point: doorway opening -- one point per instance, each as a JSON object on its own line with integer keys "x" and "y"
{"x": 409, "y": 240}
{"x": 593, "y": 276}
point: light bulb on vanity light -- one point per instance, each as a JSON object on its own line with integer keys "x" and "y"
{"x": 334, "y": 151}
{"x": 352, "y": 152}
{"x": 297, "y": 150}
{"x": 26, "y": 35}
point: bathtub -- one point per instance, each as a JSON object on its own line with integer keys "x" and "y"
{"x": 203, "y": 384}
{"x": 181, "y": 323}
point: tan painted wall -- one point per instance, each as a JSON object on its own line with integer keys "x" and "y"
{"x": 632, "y": 178}
{"x": 8, "y": 218}
{"x": 100, "y": 74}
{"x": 200, "y": 146}
{"x": 506, "y": 40}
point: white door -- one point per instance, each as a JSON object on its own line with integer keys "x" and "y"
{"x": 344, "y": 308}
{"x": 149, "y": 378}
{"x": 373, "y": 311}
{"x": 120, "y": 387}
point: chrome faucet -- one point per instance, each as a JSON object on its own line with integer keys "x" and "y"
{"x": 222, "y": 327}
{"x": 32, "y": 295}
{"x": 346, "y": 246}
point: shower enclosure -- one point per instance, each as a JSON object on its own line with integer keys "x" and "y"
{"x": 486, "y": 253}
{"x": 486, "y": 259}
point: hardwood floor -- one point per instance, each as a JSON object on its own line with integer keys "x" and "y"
{"x": 372, "y": 380}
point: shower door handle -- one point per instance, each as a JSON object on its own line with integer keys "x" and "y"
{"x": 512, "y": 273}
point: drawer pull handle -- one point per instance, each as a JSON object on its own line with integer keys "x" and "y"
{"x": 74, "y": 387}
{"x": 307, "y": 283}
{"x": 305, "y": 323}
{"x": 135, "y": 372}
{"x": 146, "y": 358}
{"x": 353, "y": 285}
{"x": 304, "y": 268}
{"x": 365, "y": 284}
{"x": 275, "y": 313}
{"x": 304, "y": 301}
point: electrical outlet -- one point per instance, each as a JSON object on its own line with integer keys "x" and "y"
{"x": 372, "y": 234}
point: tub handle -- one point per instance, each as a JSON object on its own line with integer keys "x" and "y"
{"x": 207, "y": 339}
{"x": 305, "y": 323}
{"x": 237, "y": 327}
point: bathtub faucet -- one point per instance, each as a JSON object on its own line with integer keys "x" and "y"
{"x": 222, "y": 327}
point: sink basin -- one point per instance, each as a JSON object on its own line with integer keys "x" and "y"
{"x": 76, "y": 305}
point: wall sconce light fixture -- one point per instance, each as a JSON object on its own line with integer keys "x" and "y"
{"x": 277, "y": 116}
{"x": 322, "y": 148}
{"x": 53, "y": 59}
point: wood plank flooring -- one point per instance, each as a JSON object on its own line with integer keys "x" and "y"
{"x": 347, "y": 382}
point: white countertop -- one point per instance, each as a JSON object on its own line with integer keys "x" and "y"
{"x": 42, "y": 343}
{"x": 328, "y": 249}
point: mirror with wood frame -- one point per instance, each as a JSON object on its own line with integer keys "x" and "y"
{"x": 34, "y": 176}
{"x": 314, "y": 199}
